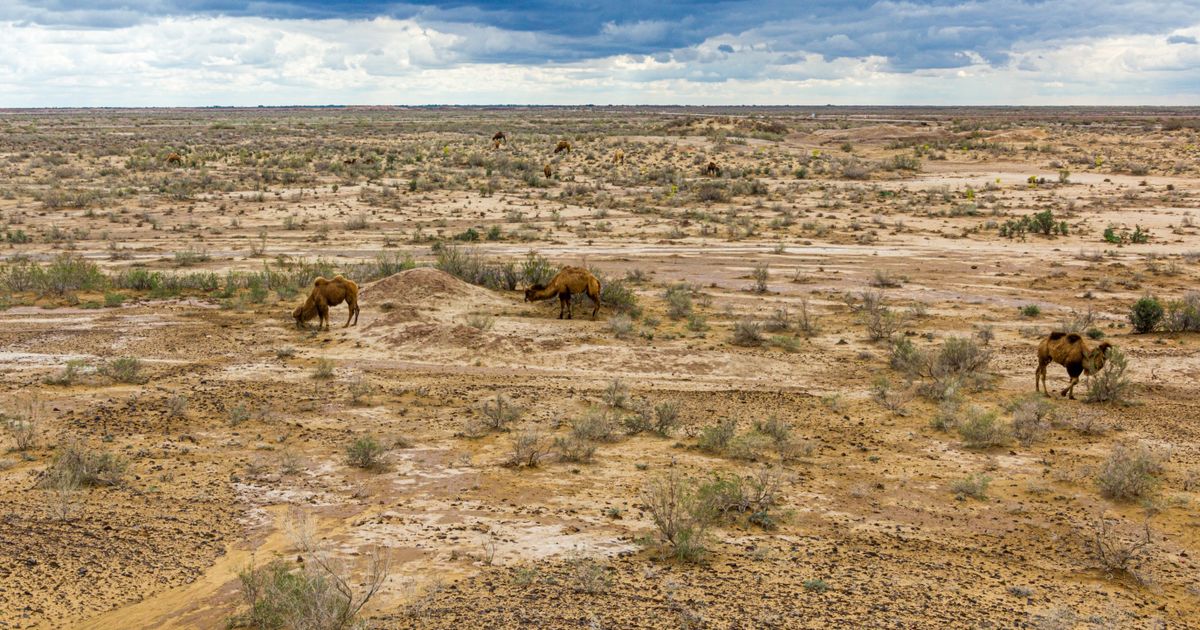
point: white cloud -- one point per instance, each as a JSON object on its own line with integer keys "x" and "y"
{"x": 248, "y": 61}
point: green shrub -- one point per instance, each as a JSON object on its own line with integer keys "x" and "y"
{"x": 747, "y": 332}
{"x": 1110, "y": 384}
{"x": 1146, "y": 314}
{"x": 681, "y": 515}
{"x": 714, "y": 438}
{"x": 366, "y": 452}
{"x": 499, "y": 413}
{"x": 974, "y": 486}
{"x": 124, "y": 370}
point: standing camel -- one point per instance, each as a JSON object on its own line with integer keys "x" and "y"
{"x": 1069, "y": 351}
{"x": 567, "y": 282}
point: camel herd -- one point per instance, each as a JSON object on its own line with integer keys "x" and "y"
{"x": 500, "y": 138}
{"x": 1066, "y": 349}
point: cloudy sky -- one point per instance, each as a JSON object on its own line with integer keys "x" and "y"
{"x": 311, "y": 52}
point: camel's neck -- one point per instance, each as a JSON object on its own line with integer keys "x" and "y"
{"x": 546, "y": 293}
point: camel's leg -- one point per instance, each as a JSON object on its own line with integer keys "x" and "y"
{"x": 596, "y": 304}
{"x": 324, "y": 322}
{"x": 1069, "y": 391}
{"x": 1040, "y": 376}
{"x": 350, "y": 314}
{"x": 562, "y": 305}
{"x": 356, "y": 311}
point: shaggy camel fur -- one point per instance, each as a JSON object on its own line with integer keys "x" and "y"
{"x": 568, "y": 281}
{"x": 1069, "y": 351}
{"x": 619, "y": 157}
{"x": 712, "y": 170}
{"x": 174, "y": 158}
{"x": 547, "y": 171}
{"x": 324, "y": 294}
{"x": 500, "y": 137}
{"x": 563, "y": 145}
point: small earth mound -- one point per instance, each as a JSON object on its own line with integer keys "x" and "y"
{"x": 425, "y": 294}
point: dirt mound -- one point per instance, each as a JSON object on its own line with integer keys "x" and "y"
{"x": 421, "y": 285}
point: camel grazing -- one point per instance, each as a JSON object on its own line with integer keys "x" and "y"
{"x": 174, "y": 158}
{"x": 712, "y": 170}
{"x": 563, "y": 145}
{"x": 500, "y": 136}
{"x": 619, "y": 157}
{"x": 324, "y": 294}
{"x": 567, "y": 282}
{"x": 1069, "y": 351}
{"x": 547, "y": 171}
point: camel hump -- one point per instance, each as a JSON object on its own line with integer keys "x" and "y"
{"x": 320, "y": 281}
{"x": 1074, "y": 338}
{"x": 1055, "y": 336}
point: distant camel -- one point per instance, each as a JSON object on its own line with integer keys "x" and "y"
{"x": 324, "y": 294}
{"x": 712, "y": 170}
{"x": 350, "y": 161}
{"x": 1069, "y": 351}
{"x": 563, "y": 145}
{"x": 619, "y": 157}
{"x": 500, "y": 136}
{"x": 567, "y": 282}
{"x": 174, "y": 158}
{"x": 547, "y": 171}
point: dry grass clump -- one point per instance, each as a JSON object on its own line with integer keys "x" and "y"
{"x": 982, "y": 429}
{"x": 1118, "y": 554}
{"x": 1030, "y": 418}
{"x": 499, "y": 413}
{"x": 1130, "y": 472}
{"x": 880, "y": 321}
{"x": 747, "y": 332}
{"x": 528, "y": 449}
{"x": 79, "y": 465}
{"x": 974, "y": 486}
{"x": 366, "y": 452}
{"x": 24, "y": 424}
{"x": 1110, "y": 384}
{"x": 124, "y": 370}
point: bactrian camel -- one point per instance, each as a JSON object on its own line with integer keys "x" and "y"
{"x": 1070, "y": 351}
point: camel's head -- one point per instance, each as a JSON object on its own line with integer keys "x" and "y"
{"x": 531, "y": 291}
{"x": 1097, "y": 358}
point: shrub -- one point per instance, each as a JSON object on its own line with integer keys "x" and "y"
{"x": 974, "y": 486}
{"x": 68, "y": 376}
{"x": 1031, "y": 310}
{"x": 1110, "y": 384}
{"x": 323, "y": 369}
{"x": 666, "y": 417}
{"x": 880, "y": 321}
{"x": 1146, "y": 314}
{"x": 528, "y": 449}
{"x": 1183, "y": 315}
{"x": 761, "y": 274}
{"x": 747, "y": 332}
{"x": 1116, "y": 554}
{"x": 620, "y": 325}
{"x": 1030, "y": 418}
{"x": 1130, "y": 471}
{"x": 360, "y": 388}
{"x": 748, "y": 446}
{"x": 480, "y": 321}
{"x": 499, "y": 413}
{"x": 317, "y": 595}
{"x": 816, "y": 585}
{"x": 575, "y": 449}
{"x": 24, "y": 423}
{"x": 679, "y": 301}
{"x": 714, "y": 438}
{"x": 366, "y": 452}
{"x": 124, "y": 370}
{"x": 78, "y": 465}
{"x": 982, "y": 429}
{"x": 617, "y": 295}
{"x": 680, "y": 514}
{"x": 596, "y": 425}
{"x": 616, "y": 394}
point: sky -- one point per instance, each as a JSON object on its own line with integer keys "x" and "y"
{"x": 75, "y": 53}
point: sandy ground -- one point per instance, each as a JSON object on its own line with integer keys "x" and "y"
{"x": 866, "y": 529}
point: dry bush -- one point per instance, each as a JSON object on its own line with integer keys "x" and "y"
{"x": 24, "y": 424}
{"x": 124, "y": 370}
{"x": 1110, "y": 384}
{"x": 880, "y": 321}
{"x": 982, "y": 429}
{"x": 1115, "y": 553}
{"x": 681, "y": 515}
{"x": 616, "y": 394}
{"x": 575, "y": 449}
{"x": 528, "y": 449}
{"x": 715, "y": 438}
{"x": 1130, "y": 471}
{"x": 747, "y": 332}
{"x": 499, "y": 413}
{"x": 974, "y": 486}
{"x": 321, "y": 594}
{"x": 596, "y": 425}
{"x": 1030, "y": 418}
{"x": 83, "y": 466}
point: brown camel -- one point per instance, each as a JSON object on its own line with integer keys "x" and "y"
{"x": 567, "y": 282}
{"x": 619, "y": 157}
{"x": 1069, "y": 351}
{"x": 712, "y": 170}
{"x": 563, "y": 145}
{"x": 500, "y": 136}
{"x": 547, "y": 171}
{"x": 324, "y": 294}
{"x": 350, "y": 161}
{"x": 174, "y": 158}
